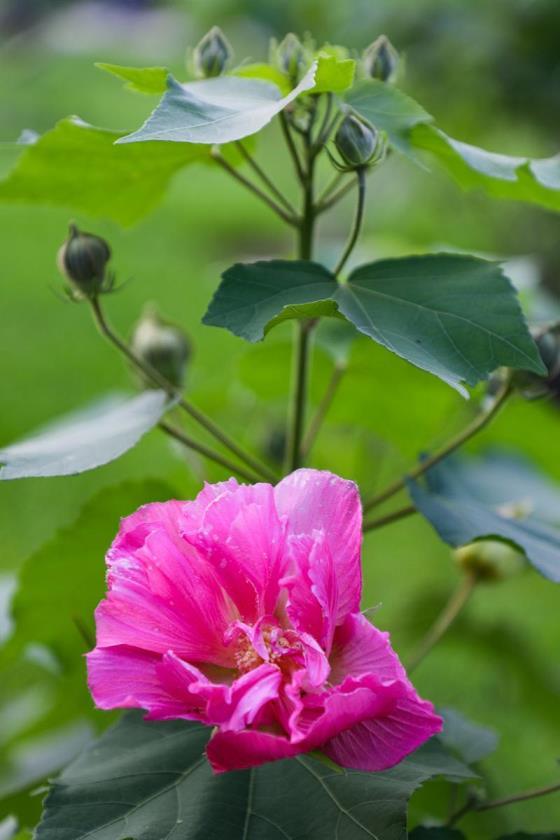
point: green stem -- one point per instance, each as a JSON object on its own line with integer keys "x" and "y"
{"x": 475, "y": 805}
{"x": 197, "y": 415}
{"x": 482, "y": 420}
{"x": 389, "y": 518}
{"x": 206, "y": 452}
{"x": 292, "y": 146}
{"x": 259, "y": 171}
{"x": 445, "y": 619}
{"x": 327, "y": 203}
{"x": 322, "y": 410}
{"x": 358, "y": 219}
{"x": 286, "y": 217}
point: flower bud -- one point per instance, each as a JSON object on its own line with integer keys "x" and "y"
{"x": 489, "y": 560}
{"x": 356, "y": 141}
{"x": 163, "y": 346}
{"x": 290, "y": 57}
{"x": 83, "y": 259}
{"x": 380, "y": 60}
{"x": 532, "y": 386}
{"x": 212, "y": 54}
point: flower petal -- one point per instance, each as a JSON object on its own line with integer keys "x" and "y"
{"x": 360, "y": 648}
{"x": 314, "y": 500}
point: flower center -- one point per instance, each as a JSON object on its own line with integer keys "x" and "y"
{"x": 267, "y": 642}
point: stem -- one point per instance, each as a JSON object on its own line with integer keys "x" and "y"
{"x": 482, "y": 420}
{"x": 259, "y": 171}
{"x": 161, "y": 382}
{"x": 445, "y": 619}
{"x": 286, "y": 217}
{"x": 323, "y": 409}
{"x": 325, "y": 128}
{"x": 211, "y": 454}
{"x": 473, "y": 805}
{"x": 389, "y": 518}
{"x": 358, "y": 219}
{"x": 292, "y": 146}
{"x": 330, "y": 202}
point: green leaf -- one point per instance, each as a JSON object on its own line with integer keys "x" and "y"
{"x": 454, "y": 499}
{"x": 334, "y": 75}
{"x": 78, "y": 166}
{"x": 388, "y": 109}
{"x": 151, "y": 780}
{"x": 255, "y": 296}
{"x": 470, "y": 741}
{"x": 139, "y": 79}
{"x": 266, "y": 73}
{"x": 523, "y": 835}
{"x": 501, "y": 176}
{"x": 218, "y": 110}
{"x": 436, "y": 833}
{"x": 455, "y": 316}
{"x": 86, "y": 439}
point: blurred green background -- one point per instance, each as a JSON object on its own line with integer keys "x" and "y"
{"x": 491, "y": 74}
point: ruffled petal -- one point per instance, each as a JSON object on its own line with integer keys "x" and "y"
{"x": 382, "y": 742}
{"x": 314, "y": 500}
{"x": 162, "y": 594}
{"x": 360, "y": 648}
{"x": 241, "y": 536}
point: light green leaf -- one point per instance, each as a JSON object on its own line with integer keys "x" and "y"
{"x": 333, "y": 75}
{"x": 501, "y": 176}
{"x": 266, "y": 73}
{"x": 218, "y": 110}
{"x": 139, "y": 79}
{"x": 78, "y": 166}
{"x": 454, "y": 316}
{"x": 254, "y": 297}
{"x": 100, "y": 796}
{"x": 86, "y": 439}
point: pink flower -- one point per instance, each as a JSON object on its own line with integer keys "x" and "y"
{"x": 241, "y": 610}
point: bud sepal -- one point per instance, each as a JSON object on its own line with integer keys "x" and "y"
{"x": 358, "y": 143}
{"x": 82, "y": 259}
{"x": 212, "y": 54}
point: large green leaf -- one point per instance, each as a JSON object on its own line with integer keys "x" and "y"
{"x": 454, "y": 316}
{"x": 412, "y": 130}
{"x": 436, "y": 833}
{"x": 84, "y": 440}
{"x": 78, "y": 166}
{"x": 139, "y": 79}
{"x": 463, "y": 505}
{"x": 150, "y": 781}
{"x": 218, "y": 110}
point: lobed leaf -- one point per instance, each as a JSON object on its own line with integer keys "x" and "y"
{"x": 457, "y": 500}
{"x": 84, "y": 440}
{"x": 147, "y": 781}
{"x": 79, "y": 166}
{"x": 454, "y": 316}
{"x": 215, "y": 111}
{"x": 334, "y": 75}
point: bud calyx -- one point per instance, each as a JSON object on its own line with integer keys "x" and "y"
{"x": 212, "y": 54}
{"x": 83, "y": 259}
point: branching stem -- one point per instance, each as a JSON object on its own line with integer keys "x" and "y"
{"x": 480, "y": 421}
{"x": 207, "y": 452}
{"x": 106, "y": 330}
{"x": 259, "y": 171}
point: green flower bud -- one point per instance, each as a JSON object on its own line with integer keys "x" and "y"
{"x": 291, "y": 58}
{"x": 356, "y": 142}
{"x": 212, "y": 54}
{"x": 83, "y": 259}
{"x": 532, "y": 386}
{"x": 163, "y": 346}
{"x": 380, "y": 60}
{"x": 489, "y": 560}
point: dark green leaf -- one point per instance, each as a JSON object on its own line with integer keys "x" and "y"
{"x": 150, "y": 781}
{"x": 436, "y": 833}
{"x": 454, "y": 499}
{"x": 84, "y": 440}
{"x": 139, "y": 79}
{"x": 455, "y": 316}
{"x": 217, "y": 110}
{"x": 523, "y": 835}
{"x": 255, "y": 296}
{"x": 470, "y": 741}
{"x": 78, "y": 166}
{"x": 502, "y": 176}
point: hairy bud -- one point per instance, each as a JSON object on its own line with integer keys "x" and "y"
{"x": 356, "y": 142}
{"x": 489, "y": 560}
{"x": 162, "y": 345}
{"x": 532, "y": 386}
{"x": 290, "y": 57}
{"x": 212, "y": 54}
{"x": 380, "y": 60}
{"x": 83, "y": 259}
